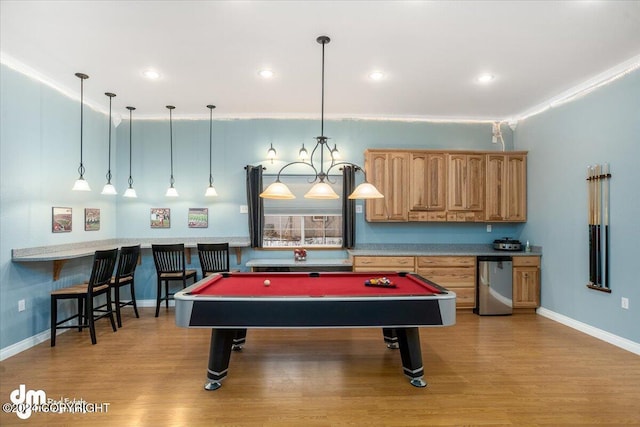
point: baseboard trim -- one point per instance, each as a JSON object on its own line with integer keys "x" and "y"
{"x": 620, "y": 342}
{"x": 25, "y": 344}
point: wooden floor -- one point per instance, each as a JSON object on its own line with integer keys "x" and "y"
{"x": 515, "y": 370}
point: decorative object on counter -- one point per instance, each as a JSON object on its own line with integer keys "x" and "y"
{"x": 81, "y": 184}
{"x": 91, "y": 219}
{"x": 160, "y": 218}
{"x": 320, "y": 189}
{"x": 171, "y": 191}
{"x": 130, "y": 192}
{"x": 507, "y": 244}
{"x": 61, "y": 220}
{"x": 300, "y": 254}
{"x": 598, "y": 178}
{"x": 527, "y": 247}
{"x": 108, "y": 188}
{"x": 380, "y": 282}
{"x": 198, "y": 217}
{"x": 211, "y": 191}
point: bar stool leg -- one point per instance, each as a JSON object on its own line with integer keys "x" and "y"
{"x": 54, "y": 320}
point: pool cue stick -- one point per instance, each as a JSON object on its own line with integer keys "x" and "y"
{"x": 591, "y": 224}
{"x": 606, "y": 178}
{"x": 598, "y": 226}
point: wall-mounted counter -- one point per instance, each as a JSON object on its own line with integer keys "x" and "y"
{"x": 59, "y": 254}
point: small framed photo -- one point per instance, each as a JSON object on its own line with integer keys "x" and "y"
{"x": 198, "y": 217}
{"x": 160, "y": 218}
{"x": 61, "y": 220}
{"x": 91, "y": 219}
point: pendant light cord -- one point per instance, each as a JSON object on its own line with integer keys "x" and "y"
{"x": 130, "y": 143}
{"x": 210, "y": 107}
{"x": 82, "y": 77}
{"x": 110, "y": 95}
{"x": 171, "y": 107}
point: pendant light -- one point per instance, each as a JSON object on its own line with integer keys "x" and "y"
{"x": 81, "y": 184}
{"x": 108, "y": 188}
{"x": 171, "y": 191}
{"x": 321, "y": 189}
{"x": 130, "y": 192}
{"x": 211, "y": 191}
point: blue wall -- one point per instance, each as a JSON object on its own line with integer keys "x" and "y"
{"x": 603, "y": 126}
{"x": 42, "y": 126}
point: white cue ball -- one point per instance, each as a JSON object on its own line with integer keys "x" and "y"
{"x": 267, "y": 282}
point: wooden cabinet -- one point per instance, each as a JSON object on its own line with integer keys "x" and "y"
{"x": 526, "y": 282}
{"x": 389, "y": 172}
{"x": 384, "y": 263}
{"x": 427, "y": 184}
{"x": 506, "y": 187}
{"x": 447, "y": 186}
{"x": 465, "y": 187}
{"x": 456, "y": 273}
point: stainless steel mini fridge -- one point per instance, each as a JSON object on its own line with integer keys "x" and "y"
{"x": 495, "y": 288}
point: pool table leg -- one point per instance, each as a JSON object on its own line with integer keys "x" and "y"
{"x": 239, "y": 339}
{"x": 409, "y": 341}
{"x": 390, "y": 337}
{"x": 219, "y": 355}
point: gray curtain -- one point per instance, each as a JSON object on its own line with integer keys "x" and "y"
{"x": 254, "y": 202}
{"x": 348, "y": 207}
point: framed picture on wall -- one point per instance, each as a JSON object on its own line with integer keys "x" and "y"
{"x": 91, "y": 219}
{"x": 61, "y": 220}
{"x": 160, "y": 218}
{"x": 198, "y": 217}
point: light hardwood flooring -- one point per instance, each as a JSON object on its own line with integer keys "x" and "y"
{"x": 514, "y": 370}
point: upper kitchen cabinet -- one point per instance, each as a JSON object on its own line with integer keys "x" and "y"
{"x": 506, "y": 187}
{"x": 466, "y": 186}
{"x": 388, "y": 170}
{"x": 427, "y": 186}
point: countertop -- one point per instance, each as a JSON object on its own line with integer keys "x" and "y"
{"x": 459, "y": 249}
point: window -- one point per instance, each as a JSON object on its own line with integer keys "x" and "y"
{"x": 303, "y": 222}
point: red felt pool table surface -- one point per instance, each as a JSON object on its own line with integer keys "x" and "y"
{"x": 313, "y": 284}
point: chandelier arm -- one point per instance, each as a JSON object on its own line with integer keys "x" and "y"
{"x": 293, "y": 163}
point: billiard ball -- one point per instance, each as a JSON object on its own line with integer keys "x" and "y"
{"x": 267, "y": 282}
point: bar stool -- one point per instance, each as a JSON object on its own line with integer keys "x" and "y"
{"x": 170, "y": 266}
{"x": 214, "y": 257}
{"x": 125, "y": 273}
{"x": 101, "y": 272}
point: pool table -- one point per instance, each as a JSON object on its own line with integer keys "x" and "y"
{"x": 229, "y": 303}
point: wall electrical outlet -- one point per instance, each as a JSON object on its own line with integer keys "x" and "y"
{"x": 358, "y": 208}
{"x": 244, "y": 209}
{"x": 624, "y": 303}
{"x": 488, "y": 228}
{"x": 21, "y": 305}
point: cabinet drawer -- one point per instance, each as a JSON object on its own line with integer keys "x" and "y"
{"x": 526, "y": 261}
{"x": 450, "y": 277}
{"x": 465, "y": 297}
{"x": 406, "y": 262}
{"x": 446, "y": 261}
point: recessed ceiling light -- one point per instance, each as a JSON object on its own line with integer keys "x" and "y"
{"x": 376, "y": 75}
{"x": 266, "y": 73}
{"x": 485, "y": 78}
{"x": 151, "y": 74}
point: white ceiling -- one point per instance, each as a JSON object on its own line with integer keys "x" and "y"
{"x": 210, "y": 52}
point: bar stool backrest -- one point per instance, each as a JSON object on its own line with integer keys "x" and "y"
{"x": 169, "y": 258}
{"x": 104, "y": 263}
{"x": 214, "y": 257}
{"x": 128, "y": 261}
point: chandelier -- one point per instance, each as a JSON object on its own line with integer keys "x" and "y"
{"x": 321, "y": 189}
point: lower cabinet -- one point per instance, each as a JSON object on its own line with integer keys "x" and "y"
{"x": 526, "y": 282}
{"x": 456, "y": 273}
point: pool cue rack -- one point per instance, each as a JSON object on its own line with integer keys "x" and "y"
{"x": 598, "y": 180}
